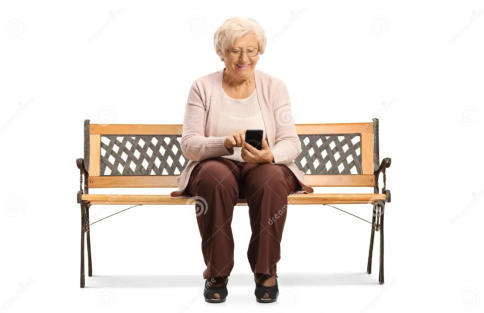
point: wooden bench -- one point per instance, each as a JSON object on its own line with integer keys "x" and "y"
{"x": 150, "y": 156}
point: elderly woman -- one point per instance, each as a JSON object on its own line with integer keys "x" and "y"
{"x": 223, "y": 167}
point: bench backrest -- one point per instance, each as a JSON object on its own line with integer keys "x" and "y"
{"x": 149, "y": 155}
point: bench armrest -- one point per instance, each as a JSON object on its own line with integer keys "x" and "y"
{"x": 84, "y": 174}
{"x": 385, "y": 163}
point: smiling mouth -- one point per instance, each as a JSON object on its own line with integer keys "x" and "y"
{"x": 243, "y": 66}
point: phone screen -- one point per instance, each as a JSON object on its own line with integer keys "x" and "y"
{"x": 254, "y": 137}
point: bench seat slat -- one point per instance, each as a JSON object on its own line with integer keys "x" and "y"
{"x": 335, "y": 198}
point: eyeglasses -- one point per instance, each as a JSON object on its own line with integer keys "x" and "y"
{"x": 251, "y": 52}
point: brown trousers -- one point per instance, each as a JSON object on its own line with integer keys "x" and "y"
{"x": 217, "y": 184}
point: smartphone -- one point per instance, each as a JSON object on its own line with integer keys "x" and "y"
{"x": 254, "y": 137}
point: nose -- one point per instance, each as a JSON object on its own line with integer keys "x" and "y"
{"x": 243, "y": 57}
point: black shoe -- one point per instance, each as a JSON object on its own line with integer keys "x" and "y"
{"x": 260, "y": 291}
{"x": 210, "y": 290}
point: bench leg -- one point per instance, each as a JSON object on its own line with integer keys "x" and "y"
{"x": 377, "y": 225}
{"x": 83, "y": 222}
{"x": 372, "y": 239}
{"x": 89, "y": 261}
{"x": 381, "y": 277}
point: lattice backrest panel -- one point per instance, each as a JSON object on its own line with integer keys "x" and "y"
{"x": 125, "y": 155}
{"x": 330, "y": 154}
{"x": 141, "y": 155}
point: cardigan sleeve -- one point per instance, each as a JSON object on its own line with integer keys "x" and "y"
{"x": 287, "y": 145}
{"x": 194, "y": 144}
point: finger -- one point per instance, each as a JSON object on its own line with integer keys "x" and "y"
{"x": 264, "y": 144}
{"x": 242, "y": 136}
{"x": 237, "y": 139}
{"x": 247, "y": 156}
{"x": 251, "y": 148}
{"x": 241, "y": 140}
{"x": 251, "y": 155}
{"x": 242, "y": 155}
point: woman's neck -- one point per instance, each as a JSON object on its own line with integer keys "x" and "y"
{"x": 236, "y": 83}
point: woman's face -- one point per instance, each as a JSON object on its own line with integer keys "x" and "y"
{"x": 238, "y": 62}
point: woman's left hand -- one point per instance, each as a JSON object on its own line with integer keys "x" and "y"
{"x": 251, "y": 154}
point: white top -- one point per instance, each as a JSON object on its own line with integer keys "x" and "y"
{"x": 237, "y": 114}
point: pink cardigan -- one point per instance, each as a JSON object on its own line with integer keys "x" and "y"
{"x": 197, "y": 144}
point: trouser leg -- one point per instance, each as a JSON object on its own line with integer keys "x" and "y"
{"x": 215, "y": 183}
{"x": 266, "y": 187}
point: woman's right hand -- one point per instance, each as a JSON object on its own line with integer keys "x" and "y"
{"x": 237, "y": 139}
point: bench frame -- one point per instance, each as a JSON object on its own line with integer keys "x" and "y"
{"x": 378, "y": 202}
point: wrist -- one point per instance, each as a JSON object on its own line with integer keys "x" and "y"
{"x": 230, "y": 150}
{"x": 270, "y": 157}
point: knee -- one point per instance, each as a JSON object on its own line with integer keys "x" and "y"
{"x": 215, "y": 176}
{"x": 267, "y": 178}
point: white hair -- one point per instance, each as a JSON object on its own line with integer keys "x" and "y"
{"x": 234, "y": 28}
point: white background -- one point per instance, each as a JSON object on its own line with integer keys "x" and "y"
{"x": 416, "y": 65}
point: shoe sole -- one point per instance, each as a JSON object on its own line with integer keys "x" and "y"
{"x": 266, "y": 300}
{"x": 215, "y": 300}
